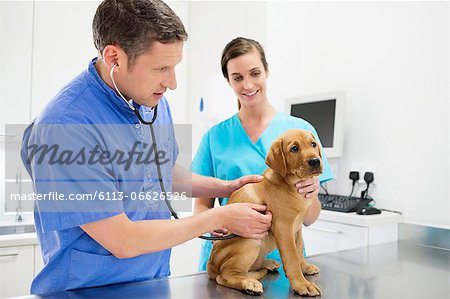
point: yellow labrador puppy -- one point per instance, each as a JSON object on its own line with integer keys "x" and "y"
{"x": 239, "y": 263}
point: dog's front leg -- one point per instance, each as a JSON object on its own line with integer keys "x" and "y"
{"x": 307, "y": 268}
{"x": 284, "y": 234}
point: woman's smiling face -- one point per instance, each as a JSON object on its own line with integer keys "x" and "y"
{"x": 247, "y": 77}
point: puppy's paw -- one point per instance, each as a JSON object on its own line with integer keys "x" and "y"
{"x": 252, "y": 286}
{"x": 310, "y": 269}
{"x": 271, "y": 265}
{"x": 307, "y": 289}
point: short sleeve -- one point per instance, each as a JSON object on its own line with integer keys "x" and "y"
{"x": 176, "y": 151}
{"x": 69, "y": 185}
{"x": 202, "y": 163}
{"x": 174, "y": 143}
{"x": 327, "y": 174}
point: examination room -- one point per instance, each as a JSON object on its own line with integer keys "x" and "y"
{"x": 224, "y": 149}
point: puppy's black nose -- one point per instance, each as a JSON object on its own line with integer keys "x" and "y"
{"x": 314, "y": 162}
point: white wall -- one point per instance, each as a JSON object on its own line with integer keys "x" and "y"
{"x": 178, "y": 97}
{"x": 390, "y": 57}
{"x": 61, "y": 52}
{"x": 211, "y": 26}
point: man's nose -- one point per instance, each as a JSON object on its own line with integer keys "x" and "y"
{"x": 171, "y": 80}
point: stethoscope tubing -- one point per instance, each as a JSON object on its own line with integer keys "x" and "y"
{"x": 158, "y": 168}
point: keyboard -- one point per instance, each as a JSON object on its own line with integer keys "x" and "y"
{"x": 341, "y": 203}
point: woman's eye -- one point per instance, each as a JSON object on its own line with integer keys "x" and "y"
{"x": 237, "y": 78}
{"x": 163, "y": 69}
{"x": 256, "y": 74}
{"x": 314, "y": 144}
{"x": 294, "y": 149}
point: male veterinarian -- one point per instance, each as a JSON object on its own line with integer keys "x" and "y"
{"x": 79, "y": 145}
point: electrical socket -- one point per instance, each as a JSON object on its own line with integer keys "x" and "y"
{"x": 363, "y": 168}
{"x": 370, "y": 168}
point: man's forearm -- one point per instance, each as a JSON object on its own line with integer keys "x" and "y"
{"x": 157, "y": 235}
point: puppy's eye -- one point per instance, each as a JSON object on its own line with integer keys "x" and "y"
{"x": 294, "y": 149}
{"x": 314, "y": 144}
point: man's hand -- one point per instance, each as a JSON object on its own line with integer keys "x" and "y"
{"x": 310, "y": 187}
{"x": 231, "y": 186}
{"x": 247, "y": 220}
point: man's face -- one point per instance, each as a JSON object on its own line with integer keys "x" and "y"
{"x": 151, "y": 74}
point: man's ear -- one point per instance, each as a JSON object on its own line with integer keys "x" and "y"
{"x": 276, "y": 159}
{"x": 112, "y": 55}
{"x": 318, "y": 145}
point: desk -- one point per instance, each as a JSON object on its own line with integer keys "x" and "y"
{"x": 393, "y": 270}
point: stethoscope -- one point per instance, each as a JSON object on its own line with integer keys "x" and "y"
{"x": 158, "y": 167}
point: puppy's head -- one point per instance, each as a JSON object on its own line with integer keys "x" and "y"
{"x": 296, "y": 152}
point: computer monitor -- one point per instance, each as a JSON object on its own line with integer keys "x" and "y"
{"x": 325, "y": 112}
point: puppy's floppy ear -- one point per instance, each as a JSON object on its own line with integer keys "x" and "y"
{"x": 318, "y": 145}
{"x": 275, "y": 158}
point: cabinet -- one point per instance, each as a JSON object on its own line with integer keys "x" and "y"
{"x": 16, "y": 270}
{"x": 335, "y": 231}
{"x": 60, "y": 52}
{"x": 39, "y": 57}
{"x": 325, "y": 237}
{"x": 20, "y": 262}
{"x": 185, "y": 258}
{"x": 16, "y": 28}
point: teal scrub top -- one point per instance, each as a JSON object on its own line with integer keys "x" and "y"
{"x": 227, "y": 152}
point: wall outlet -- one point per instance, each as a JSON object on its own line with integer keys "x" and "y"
{"x": 363, "y": 168}
{"x": 370, "y": 168}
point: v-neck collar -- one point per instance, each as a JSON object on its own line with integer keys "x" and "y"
{"x": 258, "y": 144}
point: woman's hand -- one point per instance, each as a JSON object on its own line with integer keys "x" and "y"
{"x": 310, "y": 187}
{"x": 219, "y": 232}
{"x": 231, "y": 186}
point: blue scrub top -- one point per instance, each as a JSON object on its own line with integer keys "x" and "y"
{"x": 84, "y": 114}
{"x": 227, "y": 152}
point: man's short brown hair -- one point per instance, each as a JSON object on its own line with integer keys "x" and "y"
{"x": 134, "y": 25}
